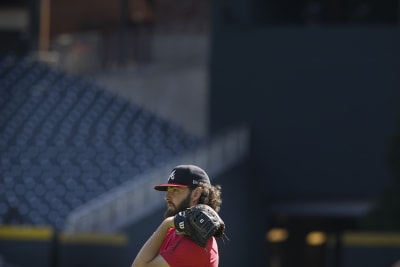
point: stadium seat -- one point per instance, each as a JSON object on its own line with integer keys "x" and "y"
{"x": 65, "y": 141}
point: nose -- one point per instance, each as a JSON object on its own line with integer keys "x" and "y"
{"x": 167, "y": 197}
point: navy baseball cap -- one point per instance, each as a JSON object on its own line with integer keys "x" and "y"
{"x": 185, "y": 176}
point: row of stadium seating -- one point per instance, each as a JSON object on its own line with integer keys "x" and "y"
{"x": 64, "y": 140}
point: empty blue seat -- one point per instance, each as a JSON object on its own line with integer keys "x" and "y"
{"x": 65, "y": 140}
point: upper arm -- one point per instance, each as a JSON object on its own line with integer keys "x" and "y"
{"x": 158, "y": 261}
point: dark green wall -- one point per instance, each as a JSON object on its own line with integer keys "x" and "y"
{"x": 322, "y": 103}
{"x": 35, "y": 249}
{"x": 26, "y": 253}
{"x": 242, "y": 211}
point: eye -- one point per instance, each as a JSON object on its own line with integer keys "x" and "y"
{"x": 173, "y": 190}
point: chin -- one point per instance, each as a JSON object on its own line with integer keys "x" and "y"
{"x": 170, "y": 212}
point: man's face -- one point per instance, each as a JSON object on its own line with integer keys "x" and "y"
{"x": 178, "y": 199}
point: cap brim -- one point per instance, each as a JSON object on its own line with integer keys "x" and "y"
{"x": 163, "y": 187}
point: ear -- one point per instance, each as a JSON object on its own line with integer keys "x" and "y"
{"x": 196, "y": 193}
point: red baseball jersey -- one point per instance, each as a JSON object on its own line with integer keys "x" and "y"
{"x": 180, "y": 251}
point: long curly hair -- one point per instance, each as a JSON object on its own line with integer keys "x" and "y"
{"x": 211, "y": 196}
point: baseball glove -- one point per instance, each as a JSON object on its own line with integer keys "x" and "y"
{"x": 199, "y": 223}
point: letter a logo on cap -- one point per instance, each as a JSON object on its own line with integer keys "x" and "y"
{"x": 172, "y": 176}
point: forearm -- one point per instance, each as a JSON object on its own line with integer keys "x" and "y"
{"x": 151, "y": 248}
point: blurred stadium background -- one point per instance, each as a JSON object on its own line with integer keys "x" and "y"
{"x": 292, "y": 106}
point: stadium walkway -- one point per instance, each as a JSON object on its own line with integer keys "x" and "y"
{"x": 174, "y": 84}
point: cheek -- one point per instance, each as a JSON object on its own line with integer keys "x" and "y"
{"x": 174, "y": 200}
{"x": 177, "y": 201}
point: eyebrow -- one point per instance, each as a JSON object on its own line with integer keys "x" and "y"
{"x": 173, "y": 188}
